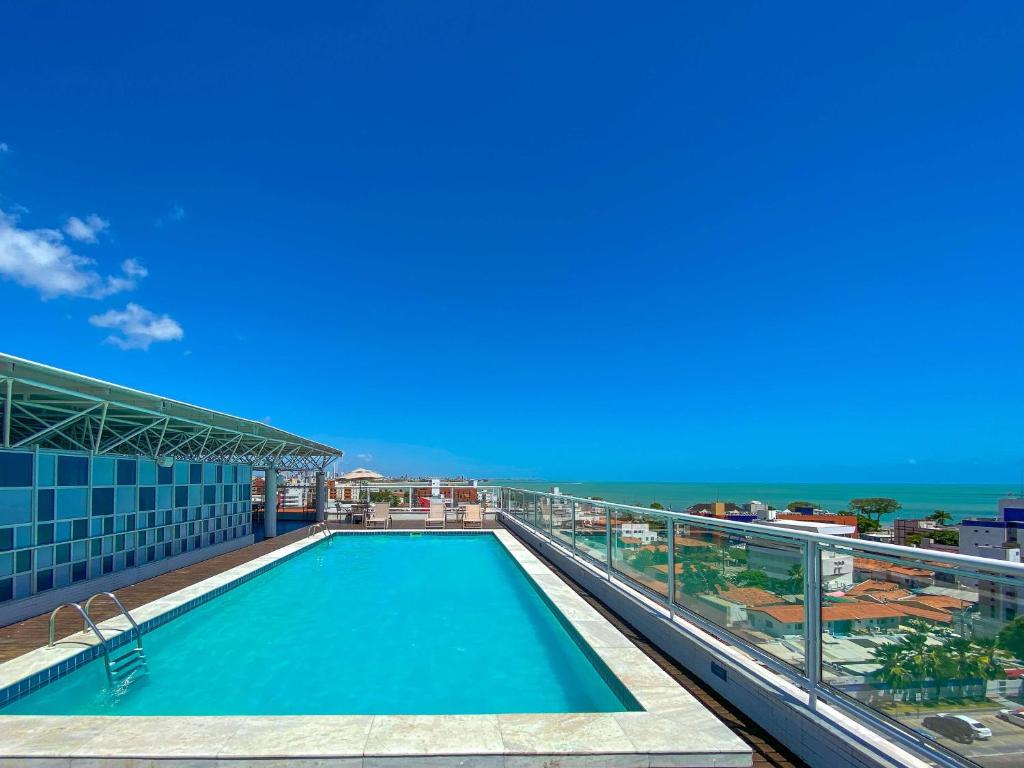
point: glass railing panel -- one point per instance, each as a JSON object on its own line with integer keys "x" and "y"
{"x": 751, "y": 586}
{"x": 544, "y": 513}
{"x": 591, "y": 536}
{"x": 561, "y": 520}
{"x": 640, "y": 549}
{"x": 932, "y": 646}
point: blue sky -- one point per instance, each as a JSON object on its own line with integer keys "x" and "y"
{"x": 753, "y": 242}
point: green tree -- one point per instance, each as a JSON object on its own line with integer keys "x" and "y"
{"x": 656, "y": 505}
{"x": 964, "y": 661}
{"x": 792, "y": 506}
{"x": 1011, "y": 637}
{"x": 751, "y": 578}
{"x": 700, "y": 578}
{"x": 940, "y": 516}
{"x": 870, "y": 511}
{"x": 895, "y": 670}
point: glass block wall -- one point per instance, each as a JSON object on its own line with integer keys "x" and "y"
{"x": 66, "y": 517}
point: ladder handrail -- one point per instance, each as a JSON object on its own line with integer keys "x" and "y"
{"x": 122, "y": 609}
{"x": 88, "y": 625}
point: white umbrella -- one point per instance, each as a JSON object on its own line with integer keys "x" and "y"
{"x": 362, "y": 474}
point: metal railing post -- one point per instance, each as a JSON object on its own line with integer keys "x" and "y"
{"x": 573, "y": 507}
{"x": 608, "y": 539}
{"x": 671, "y": 530}
{"x": 812, "y": 619}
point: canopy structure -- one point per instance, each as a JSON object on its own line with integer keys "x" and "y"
{"x": 362, "y": 474}
{"x": 51, "y": 408}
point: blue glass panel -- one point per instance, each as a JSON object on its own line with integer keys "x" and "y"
{"x": 209, "y": 494}
{"x": 7, "y": 564}
{"x": 15, "y": 469}
{"x": 46, "y": 470}
{"x": 147, "y": 499}
{"x": 62, "y": 575}
{"x": 164, "y": 497}
{"x": 209, "y": 473}
{"x": 181, "y": 473}
{"x": 78, "y": 550}
{"x": 44, "y": 533}
{"x": 164, "y": 475}
{"x": 44, "y": 505}
{"x": 125, "y": 500}
{"x": 181, "y": 496}
{"x": 147, "y": 472}
{"x": 78, "y": 571}
{"x": 195, "y": 474}
{"x": 15, "y": 506}
{"x": 72, "y": 502}
{"x": 102, "y": 501}
{"x": 44, "y": 557}
{"x": 72, "y": 470}
{"x": 23, "y": 536}
{"x": 44, "y": 580}
{"x": 63, "y": 531}
{"x": 79, "y": 529}
{"x": 102, "y": 471}
{"x": 127, "y": 471}
{"x": 193, "y": 495}
{"x": 6, "y": 589}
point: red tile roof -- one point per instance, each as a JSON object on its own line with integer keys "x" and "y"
{"x": 750, "y": 596}
{"x": 866, "y": 564}
{"x": 794, "y": 614}
{"x": 873, "y": 585}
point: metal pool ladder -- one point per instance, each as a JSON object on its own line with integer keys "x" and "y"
{"x": 321, "y": 527}
{"x": 116, "y": 668}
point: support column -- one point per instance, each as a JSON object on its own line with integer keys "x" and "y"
{"x": 321, "y": 497}
{"x": 270, "y": 503}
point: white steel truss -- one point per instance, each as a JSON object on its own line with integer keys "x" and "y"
{"x": 50, "y": 408}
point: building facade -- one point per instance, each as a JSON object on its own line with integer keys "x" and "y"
{"x": 68, "y": 517}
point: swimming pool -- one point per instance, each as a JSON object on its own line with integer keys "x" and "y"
{"x": 361, "y": 624}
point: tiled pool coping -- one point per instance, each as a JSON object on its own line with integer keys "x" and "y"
{"x": 673, "y": 730}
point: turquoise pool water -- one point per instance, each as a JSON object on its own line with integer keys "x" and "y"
{"x": 368, "y": 624}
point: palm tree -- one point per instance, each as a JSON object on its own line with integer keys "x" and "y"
{"x": 990, "y": 666}
{"x": 894, "y": 670}
{"x": 964, "y": 661}
{"x": 940, "y": 516}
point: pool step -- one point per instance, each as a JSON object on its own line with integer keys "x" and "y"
{"x": 124, "y": 665}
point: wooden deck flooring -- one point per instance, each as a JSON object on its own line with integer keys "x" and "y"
{"x": 25, "y": 636}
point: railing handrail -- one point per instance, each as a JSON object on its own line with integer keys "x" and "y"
{"x": 120, "y": 607}
{"x": 999, "y": 567}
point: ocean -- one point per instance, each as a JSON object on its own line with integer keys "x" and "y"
{"x": 961, "y": 501}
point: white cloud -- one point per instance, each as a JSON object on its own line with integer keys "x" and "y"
{"x": 366, "y": 458}
{"x": 85, "y": 231}
{"x": 4, "y": 147}
{"x": 39, "y": 258}
{"x": 136, "y": 327}
{"x": 132, "y": 268}
{"x": 176, "y": 213}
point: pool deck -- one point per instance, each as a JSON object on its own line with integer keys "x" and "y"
{"x": 676, "y": 728}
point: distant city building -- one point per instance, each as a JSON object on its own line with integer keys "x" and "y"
{"x": 997, "y": 538}
{"x": 641, "y": 533}
{"x": 923, "y": 528}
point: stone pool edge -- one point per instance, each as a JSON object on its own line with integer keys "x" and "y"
{"x": 674, "y": 730}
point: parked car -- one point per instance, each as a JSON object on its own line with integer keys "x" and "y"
{"x": 1015, "y": 716}
{"x": 957, "y": 727}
